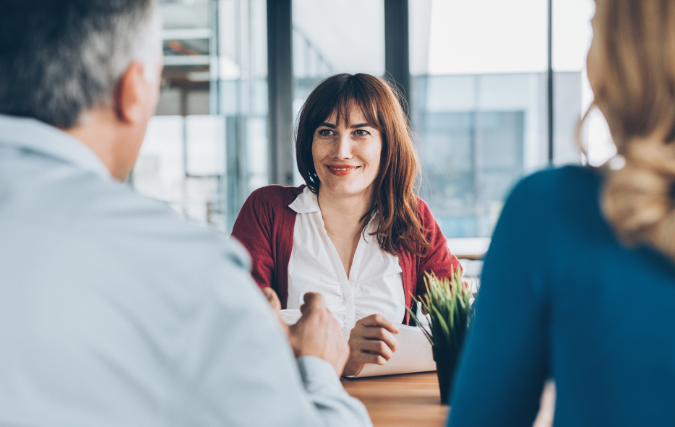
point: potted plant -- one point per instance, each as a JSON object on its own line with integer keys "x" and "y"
{"x": 447, "y": 302}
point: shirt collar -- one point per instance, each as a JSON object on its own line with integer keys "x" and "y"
{"x": 306, "y": 202}
{"x": 33, "y": 135}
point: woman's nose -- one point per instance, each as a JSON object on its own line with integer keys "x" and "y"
{"x": 343, "y": 150}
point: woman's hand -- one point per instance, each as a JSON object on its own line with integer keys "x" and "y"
{"x": 371, "y": 341}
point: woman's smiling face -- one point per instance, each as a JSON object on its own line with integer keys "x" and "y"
{"x": 347, "y": 155}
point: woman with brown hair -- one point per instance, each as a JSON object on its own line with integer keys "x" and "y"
{"x": 593, "y": 308}
{"x": 356, "y": 232}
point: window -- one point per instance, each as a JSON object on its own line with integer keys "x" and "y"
{"x": 328, "y": 38}
{"x": 479, "y": 101}
{"x": 206, "y": 148}
{"x": 479, "y": 98}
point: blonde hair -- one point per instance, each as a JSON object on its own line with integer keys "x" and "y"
{"x": 635, "y": 57}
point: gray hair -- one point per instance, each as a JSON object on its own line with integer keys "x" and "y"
{"x": 59, "y": 59}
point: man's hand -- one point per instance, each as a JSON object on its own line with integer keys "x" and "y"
{"x": 317, "y": 333}
{"x": 273, "y": 299}
{"x": 371, "y": 341}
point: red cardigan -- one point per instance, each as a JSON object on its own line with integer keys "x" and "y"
{"x": 265, "y": 227}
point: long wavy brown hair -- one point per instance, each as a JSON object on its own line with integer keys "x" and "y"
{"x": 397, "y": 181}
{"x": 635, "y": 58}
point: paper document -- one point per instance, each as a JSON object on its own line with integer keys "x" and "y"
{"x": 290, "y": 316}
{"x": 413, "y": 351}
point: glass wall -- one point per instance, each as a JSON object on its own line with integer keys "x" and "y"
{"x": 572, "y": 35}
{"x": 243, "y": 97}
{"x": 329, "y": 38}
{"x": 206, "y": 149}
{"x": 479, "y": 101}
{"x": 478, "y": 104}
{"x": 478, "y": 98}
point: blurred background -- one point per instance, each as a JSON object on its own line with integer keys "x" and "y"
{"x": 495, "y": 91}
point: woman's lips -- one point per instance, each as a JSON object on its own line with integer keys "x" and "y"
{"x": 341, "y": 170}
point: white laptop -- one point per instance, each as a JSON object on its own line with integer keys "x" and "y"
{"x": 413, "y": 351}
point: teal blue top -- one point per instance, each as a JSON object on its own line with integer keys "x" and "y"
{"x": 561, "y": 298}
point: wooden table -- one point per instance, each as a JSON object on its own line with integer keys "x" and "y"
{"x": 400, "y": 400}
{"x": 415, "y": 400}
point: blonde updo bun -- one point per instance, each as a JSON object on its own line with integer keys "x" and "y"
{"x": 637, "y": 199}
{"x": 633, "y": 61}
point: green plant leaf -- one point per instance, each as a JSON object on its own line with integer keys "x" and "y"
{"x": 447, "y": 304}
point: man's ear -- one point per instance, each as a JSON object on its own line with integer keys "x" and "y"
{"x": 132, "y": 95}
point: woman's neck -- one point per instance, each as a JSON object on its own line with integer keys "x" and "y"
{"x": 343, "y": 214}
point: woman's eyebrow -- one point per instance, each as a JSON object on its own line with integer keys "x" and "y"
{"x": 332, "y": 126}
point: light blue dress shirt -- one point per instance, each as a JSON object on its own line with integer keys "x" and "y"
{"x": 114, "y": 312}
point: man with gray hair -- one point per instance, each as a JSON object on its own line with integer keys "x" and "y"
{"x": 114, "y": 312}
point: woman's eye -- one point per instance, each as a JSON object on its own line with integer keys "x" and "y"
{"x": 325, "y": 132}
{"x": 361, "y": 132}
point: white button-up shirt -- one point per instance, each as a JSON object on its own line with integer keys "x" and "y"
{"x": 374, "y": 284}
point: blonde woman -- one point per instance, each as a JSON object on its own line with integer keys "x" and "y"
{"x": 594, "y": 308}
